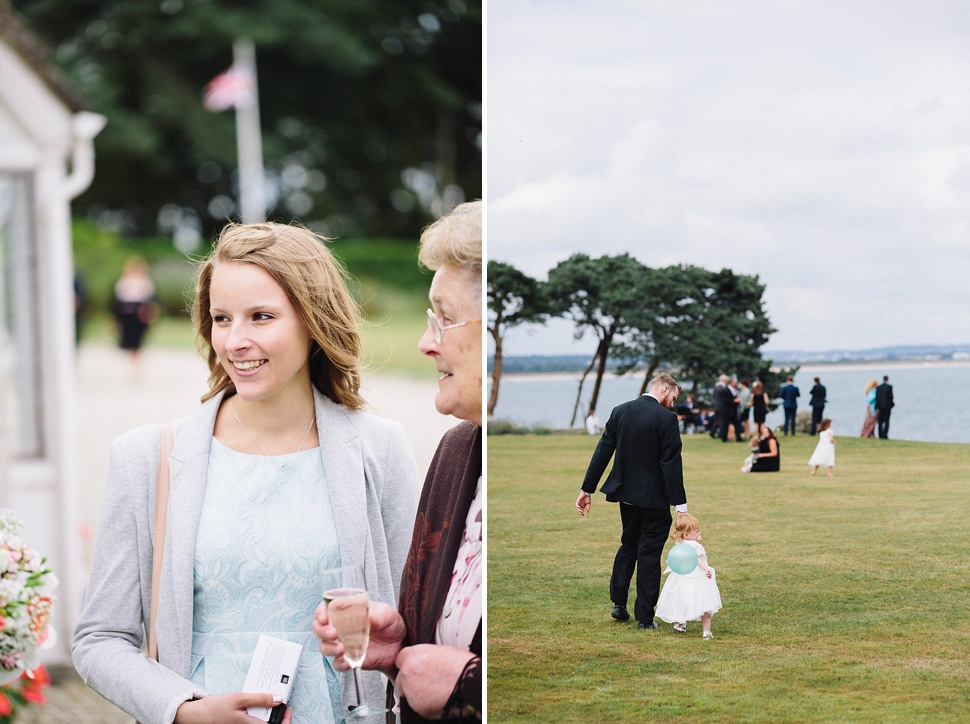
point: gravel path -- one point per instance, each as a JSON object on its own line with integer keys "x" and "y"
{"x": 69, "y": 701}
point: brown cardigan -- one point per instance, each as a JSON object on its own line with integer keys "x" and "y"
{"x": 438, "y": 531}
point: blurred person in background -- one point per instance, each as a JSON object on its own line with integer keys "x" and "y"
{"x": 884, "y": 406}
{"x": 869, "y": 423}
{"x": 134, "y": 308}
{"x": 766, "y": 452}
{"x": 431, "y": 647}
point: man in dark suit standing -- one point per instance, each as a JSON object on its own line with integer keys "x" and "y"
{"x": 818, "y": 404}
{"x": 789, "y": 397}
{"x": 725, "y": 408}
{"x": 646, "y": 479}
{"x": 884, "y": 405}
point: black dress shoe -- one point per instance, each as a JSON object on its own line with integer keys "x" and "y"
{"x": 642, "y": 625}
{"x": 620, "y": 613}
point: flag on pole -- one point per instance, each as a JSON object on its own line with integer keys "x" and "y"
{"x": 229, "y": 89}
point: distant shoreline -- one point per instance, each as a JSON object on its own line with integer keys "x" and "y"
{"x": 813, "y": 367}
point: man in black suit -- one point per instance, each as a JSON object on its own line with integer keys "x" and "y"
{"x": 646, "y": 479}
{"x": 726, "y": 408}
{"x": 818, "y": 404}
{"x": 884, "y": 405}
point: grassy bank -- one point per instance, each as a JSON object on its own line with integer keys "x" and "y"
{"x": 845, "y": 598}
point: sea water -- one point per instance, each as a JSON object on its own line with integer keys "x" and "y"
{"x": 932, "y": 398}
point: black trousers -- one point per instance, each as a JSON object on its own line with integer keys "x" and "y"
{"x": 645, "y": 532}
{"x": 816, "y": 417}
{"x": 884, "y": 422}
{"x": 726, "y": 420}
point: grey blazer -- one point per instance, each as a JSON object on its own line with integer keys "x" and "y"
{"x": 374, "y": 487}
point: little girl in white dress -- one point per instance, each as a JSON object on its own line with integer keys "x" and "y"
{"x": 692, "y": 596}
{"x": 824, "y": 454}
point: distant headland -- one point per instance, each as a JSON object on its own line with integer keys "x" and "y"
{"x": 516, "y": 364}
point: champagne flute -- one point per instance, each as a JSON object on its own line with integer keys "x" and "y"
{"x": 345, "y": 594}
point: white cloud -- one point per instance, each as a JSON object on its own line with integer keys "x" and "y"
{"x": 823, "y": 146}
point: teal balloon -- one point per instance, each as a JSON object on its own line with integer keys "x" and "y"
{"x": 682, "y": 559}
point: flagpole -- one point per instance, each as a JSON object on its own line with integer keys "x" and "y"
{"x": 249, "y": 142}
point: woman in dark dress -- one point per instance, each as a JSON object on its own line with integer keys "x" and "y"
{"x": 769, "y": 452}
{"x": 759, "y": 404}
{"x": 133, "y": 305}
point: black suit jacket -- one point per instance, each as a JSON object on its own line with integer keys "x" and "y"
{"x": 723, "y": 399}
{"x": 884, "y": 397}
{"x": 818, "y": 396}
{"x": 648, "y": 470}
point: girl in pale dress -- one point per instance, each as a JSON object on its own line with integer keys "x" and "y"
{"x": 692, "y": 596}
{"x": 824, "y": 454}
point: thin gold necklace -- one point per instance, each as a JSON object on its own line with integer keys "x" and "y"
{"x": 284, "y": 466}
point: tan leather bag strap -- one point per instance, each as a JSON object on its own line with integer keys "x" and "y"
{"x": 161, "y": 516}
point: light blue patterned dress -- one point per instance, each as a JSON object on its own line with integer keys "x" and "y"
{"x": 265, "y": 535}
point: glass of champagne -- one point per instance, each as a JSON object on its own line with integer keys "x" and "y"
{"x": 345, "y": 594}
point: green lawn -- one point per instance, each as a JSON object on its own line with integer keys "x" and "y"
{"x": 846, "y": 599}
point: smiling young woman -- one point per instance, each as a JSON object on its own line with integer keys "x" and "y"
{"x": 277, "y": 476}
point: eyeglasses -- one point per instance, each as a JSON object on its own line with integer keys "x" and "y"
{"x": 434, "y": 324}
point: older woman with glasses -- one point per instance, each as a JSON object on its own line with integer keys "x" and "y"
{"x": 431, "y": 647}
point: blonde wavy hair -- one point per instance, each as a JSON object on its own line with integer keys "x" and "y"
{"x": 684, "y": 526}
{"x": 315, "y": 283}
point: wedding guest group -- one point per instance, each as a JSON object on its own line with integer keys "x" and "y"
{"x": 691, "y": 415}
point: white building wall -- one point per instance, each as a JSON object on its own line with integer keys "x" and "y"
{"x": 41, "y": 135}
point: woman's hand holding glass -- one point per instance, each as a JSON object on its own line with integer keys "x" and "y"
{"x": 386, "y": 635}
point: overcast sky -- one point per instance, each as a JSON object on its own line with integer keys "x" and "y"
{"x": 822, "y": 145}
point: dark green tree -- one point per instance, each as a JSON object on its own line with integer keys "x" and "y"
{"x": 700, "y": 322}
{"x": 599, "y": 295}
{"x": 371, "y": 111}
{"x": 514, "y": 298}
{"x": 665, "y": 323}
{"x": 732, "y": 326}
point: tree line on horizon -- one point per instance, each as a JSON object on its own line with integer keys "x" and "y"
{"x": 698, "y": 322}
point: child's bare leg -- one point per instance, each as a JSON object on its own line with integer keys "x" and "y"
{"x": 814, "y": 470}
{"x": 706, "y": 622}
{"x": 831, "y": 471}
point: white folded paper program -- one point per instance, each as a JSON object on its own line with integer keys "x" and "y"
{"x": 272, "y": 672}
